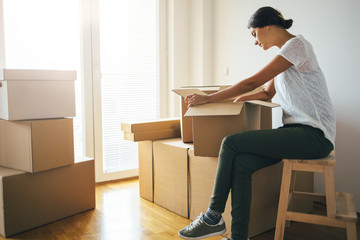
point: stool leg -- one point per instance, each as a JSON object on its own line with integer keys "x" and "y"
{"x": 351, "y": 230}
{"x": 283, "y": 201}
{"x": 291, "y": 203}
{"x": 330, "y": 191}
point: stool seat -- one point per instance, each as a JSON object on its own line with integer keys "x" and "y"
{"x": 328, "y": 160}
{"x": 340, "y": 208}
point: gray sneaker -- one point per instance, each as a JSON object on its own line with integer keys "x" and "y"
{"x": 198, "y": 229}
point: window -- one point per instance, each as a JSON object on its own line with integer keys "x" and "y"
{"x": 129, "y": 75}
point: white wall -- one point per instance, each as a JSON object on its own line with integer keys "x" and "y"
{"x": 2, "y": 44}
{"x": 330, "y": 25}
{"x": 190, "y": 46}
{"x": 178, "y": 51}
{"x": 332, "y": 28}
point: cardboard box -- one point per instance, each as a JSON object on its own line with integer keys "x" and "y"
{"x": 31, "y": 200}
{"x": 170, "y": 175}
{"x": 186, "y": 123}
{"x": 38, "y": 145}
{"x": 36, "y": 94}
{"x": 146, "y": 170}
{"x": 265, "y": 193}
{"x": 266, "y": 118}
{"x": 187, "y": 120}
{"x": 213, "y": 121}
{"x": 151, "y": 130}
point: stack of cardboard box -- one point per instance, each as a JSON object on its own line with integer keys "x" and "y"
{"x": 39, "y": 180}
{"x": 179, "y": 173}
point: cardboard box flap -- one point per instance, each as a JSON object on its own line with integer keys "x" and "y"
{"x": 184, "y": 92}
{"x": 264, "y": 103}
{"x": 227, "y": 108}
{"x": 215, "y": 109}
{"x": 37, "y": 74}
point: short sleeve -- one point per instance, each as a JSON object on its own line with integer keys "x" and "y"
{"x": 294, "y": 51}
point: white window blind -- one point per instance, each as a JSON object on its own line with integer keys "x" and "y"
{"x": 130, "y": 74}
{"x": 43, "y": 34}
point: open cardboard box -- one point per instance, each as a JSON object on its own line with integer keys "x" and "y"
{"x": 36, "y": 94}
{"x": 211, "y": 122}
{"x": 186, "y": 122}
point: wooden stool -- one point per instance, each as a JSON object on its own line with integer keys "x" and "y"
{"x": 340, "y": 207}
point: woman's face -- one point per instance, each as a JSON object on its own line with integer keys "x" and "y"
{"x": 261, "y": 37}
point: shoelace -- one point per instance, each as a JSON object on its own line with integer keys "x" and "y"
{"x": 195, "y": 223}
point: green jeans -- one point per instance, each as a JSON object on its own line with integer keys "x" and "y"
{"x": 242, "y": 154}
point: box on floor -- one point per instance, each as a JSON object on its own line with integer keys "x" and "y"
{"x": 151, "y": 130}
{"x": 37, "y": 145}
{"x": 211, "y": 122}
{"x": 31, "y": 200}
{"x": 170, "y": 175}
{"x": 36, "y": 94}
{"x": 146, "y": 171}
{"x": 145, "y": 132}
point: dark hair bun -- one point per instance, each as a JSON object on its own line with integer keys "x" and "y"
{"x": 287, "y": 23}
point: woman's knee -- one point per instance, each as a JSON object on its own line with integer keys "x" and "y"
{"x": 232, "y": 142}
{"x": 229, "y": 140}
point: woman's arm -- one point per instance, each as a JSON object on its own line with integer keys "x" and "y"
{"x": 271, "y": 70}
{"x": 265, "y": 95}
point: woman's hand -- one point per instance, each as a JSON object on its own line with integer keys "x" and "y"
{"x": 196, "y": 99}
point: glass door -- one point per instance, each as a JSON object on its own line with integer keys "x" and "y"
{"x": 126, "y": 80}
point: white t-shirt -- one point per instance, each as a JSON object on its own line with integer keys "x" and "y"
{"x": 302, "y": 89}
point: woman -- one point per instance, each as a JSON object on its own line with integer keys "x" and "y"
{"x": 308, "y": 118}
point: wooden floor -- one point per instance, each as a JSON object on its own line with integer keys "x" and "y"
{"x": 121, "y": 214}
